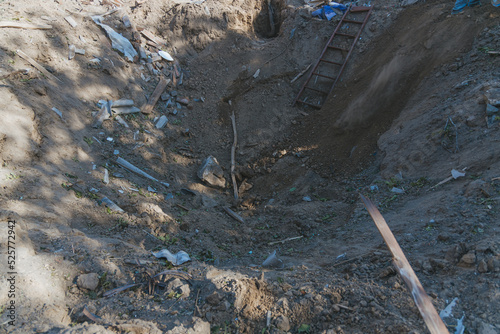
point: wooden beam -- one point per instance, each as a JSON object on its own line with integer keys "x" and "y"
{"x": 424, "y": 304}
{"x": 148, "y": 107}
{"x": 37, "y": 65}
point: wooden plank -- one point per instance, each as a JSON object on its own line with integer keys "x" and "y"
{"x": 148, "y": 107}
{"x": 149, "y": 35}
{"x": 37, "y": 65}
{"x": 422, "y": 300}
{"x": 23, "y": 25}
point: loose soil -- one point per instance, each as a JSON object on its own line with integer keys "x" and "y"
{"x": 410, "y": 108}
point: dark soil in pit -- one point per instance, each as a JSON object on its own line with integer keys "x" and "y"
{"x": 417, "y": 100}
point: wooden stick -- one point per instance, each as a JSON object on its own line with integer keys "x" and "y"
{"x": 182, "y": 207}
{"x": 233, "y": 214}
{"x": 422, "y": 300}
{"x": 91, "y": 315}
{"x": 22, "y": 25}
{"x": 448, "y": 179}
{"x": 300, "y": 74}
{"x": 285, "y": 240}
{"x": 233, "y": 153}
{"x": 148, "y": 107}
{"x": 345, "y": 307}
{"x": 351, "y": 259}
{"x": 36, "y": 65}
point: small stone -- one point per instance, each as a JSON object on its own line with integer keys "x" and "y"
{"x": 211, "y": 173}
{"x": 336, "y": 308}
{"x": 88, "y": 281}
{"x": 282, "y": 323}
{"x": 490, "y": 110}
{"x": 162, "y": 122}
{"x": 213, "y": 299}
{"x": 179, "y": 287}
{"x": 468, "y": 259}
{"x": 155, "y": 57}
{"x": 482, "y": 267}
{"x": 165, "y": 96}
{"x": 492, "y": 96}
{"x": 494, "y": 263}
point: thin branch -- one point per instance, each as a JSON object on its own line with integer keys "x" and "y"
{"x": 233, "y": 153}
{"x": 233, "y": 214}
{"x": 285, "y": 240}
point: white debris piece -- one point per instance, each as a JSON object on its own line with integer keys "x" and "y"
{"x": 165, "y": 55}
{"x": 161, "y": 122}
{"x": 176, "y": 259}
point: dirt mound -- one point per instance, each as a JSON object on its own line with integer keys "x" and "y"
{"x": 380, "y": 85}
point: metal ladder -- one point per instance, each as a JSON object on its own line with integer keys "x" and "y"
{"x": 333, "y": 58}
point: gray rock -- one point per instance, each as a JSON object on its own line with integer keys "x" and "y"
{"x": 490, "y": 110}
{"x": 494, "y": 263}
{"x": 211, "y": 173}
{"x": 492, "y": 96}
{"x": 214, "y": 299}
{"x": 165, "y": 96}
{"x": 468, "y": 259}
{"x": 283, "y": 323}
{"x": 88, "y": 281}
{"x": 482, "y": 267}
{"x": 178, "y": 286}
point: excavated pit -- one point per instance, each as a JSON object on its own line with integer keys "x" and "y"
{"x": 268, "y": 21}
{"x": 299, "y": 171}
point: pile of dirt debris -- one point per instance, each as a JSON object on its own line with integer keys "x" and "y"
{"x": 129, "y": 126}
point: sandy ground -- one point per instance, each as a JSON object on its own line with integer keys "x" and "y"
{"x": 417, "y": 100}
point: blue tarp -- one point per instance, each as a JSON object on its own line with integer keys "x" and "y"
{"x": 327, "y": 12}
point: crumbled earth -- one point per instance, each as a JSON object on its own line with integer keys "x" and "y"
{"x": 418, "y": 99}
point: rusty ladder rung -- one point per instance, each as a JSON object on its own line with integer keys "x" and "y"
{"x": 310, "y": 104}
{"x": 324, "y": 76}
{"x": 346, "y": 35}
{"x": 316, "y": 90}
{"x": 328, "y": 46}
{"x": 338, "y": 48}
{"x": 331, "y": 62}
{"x": 353, "y": 21}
